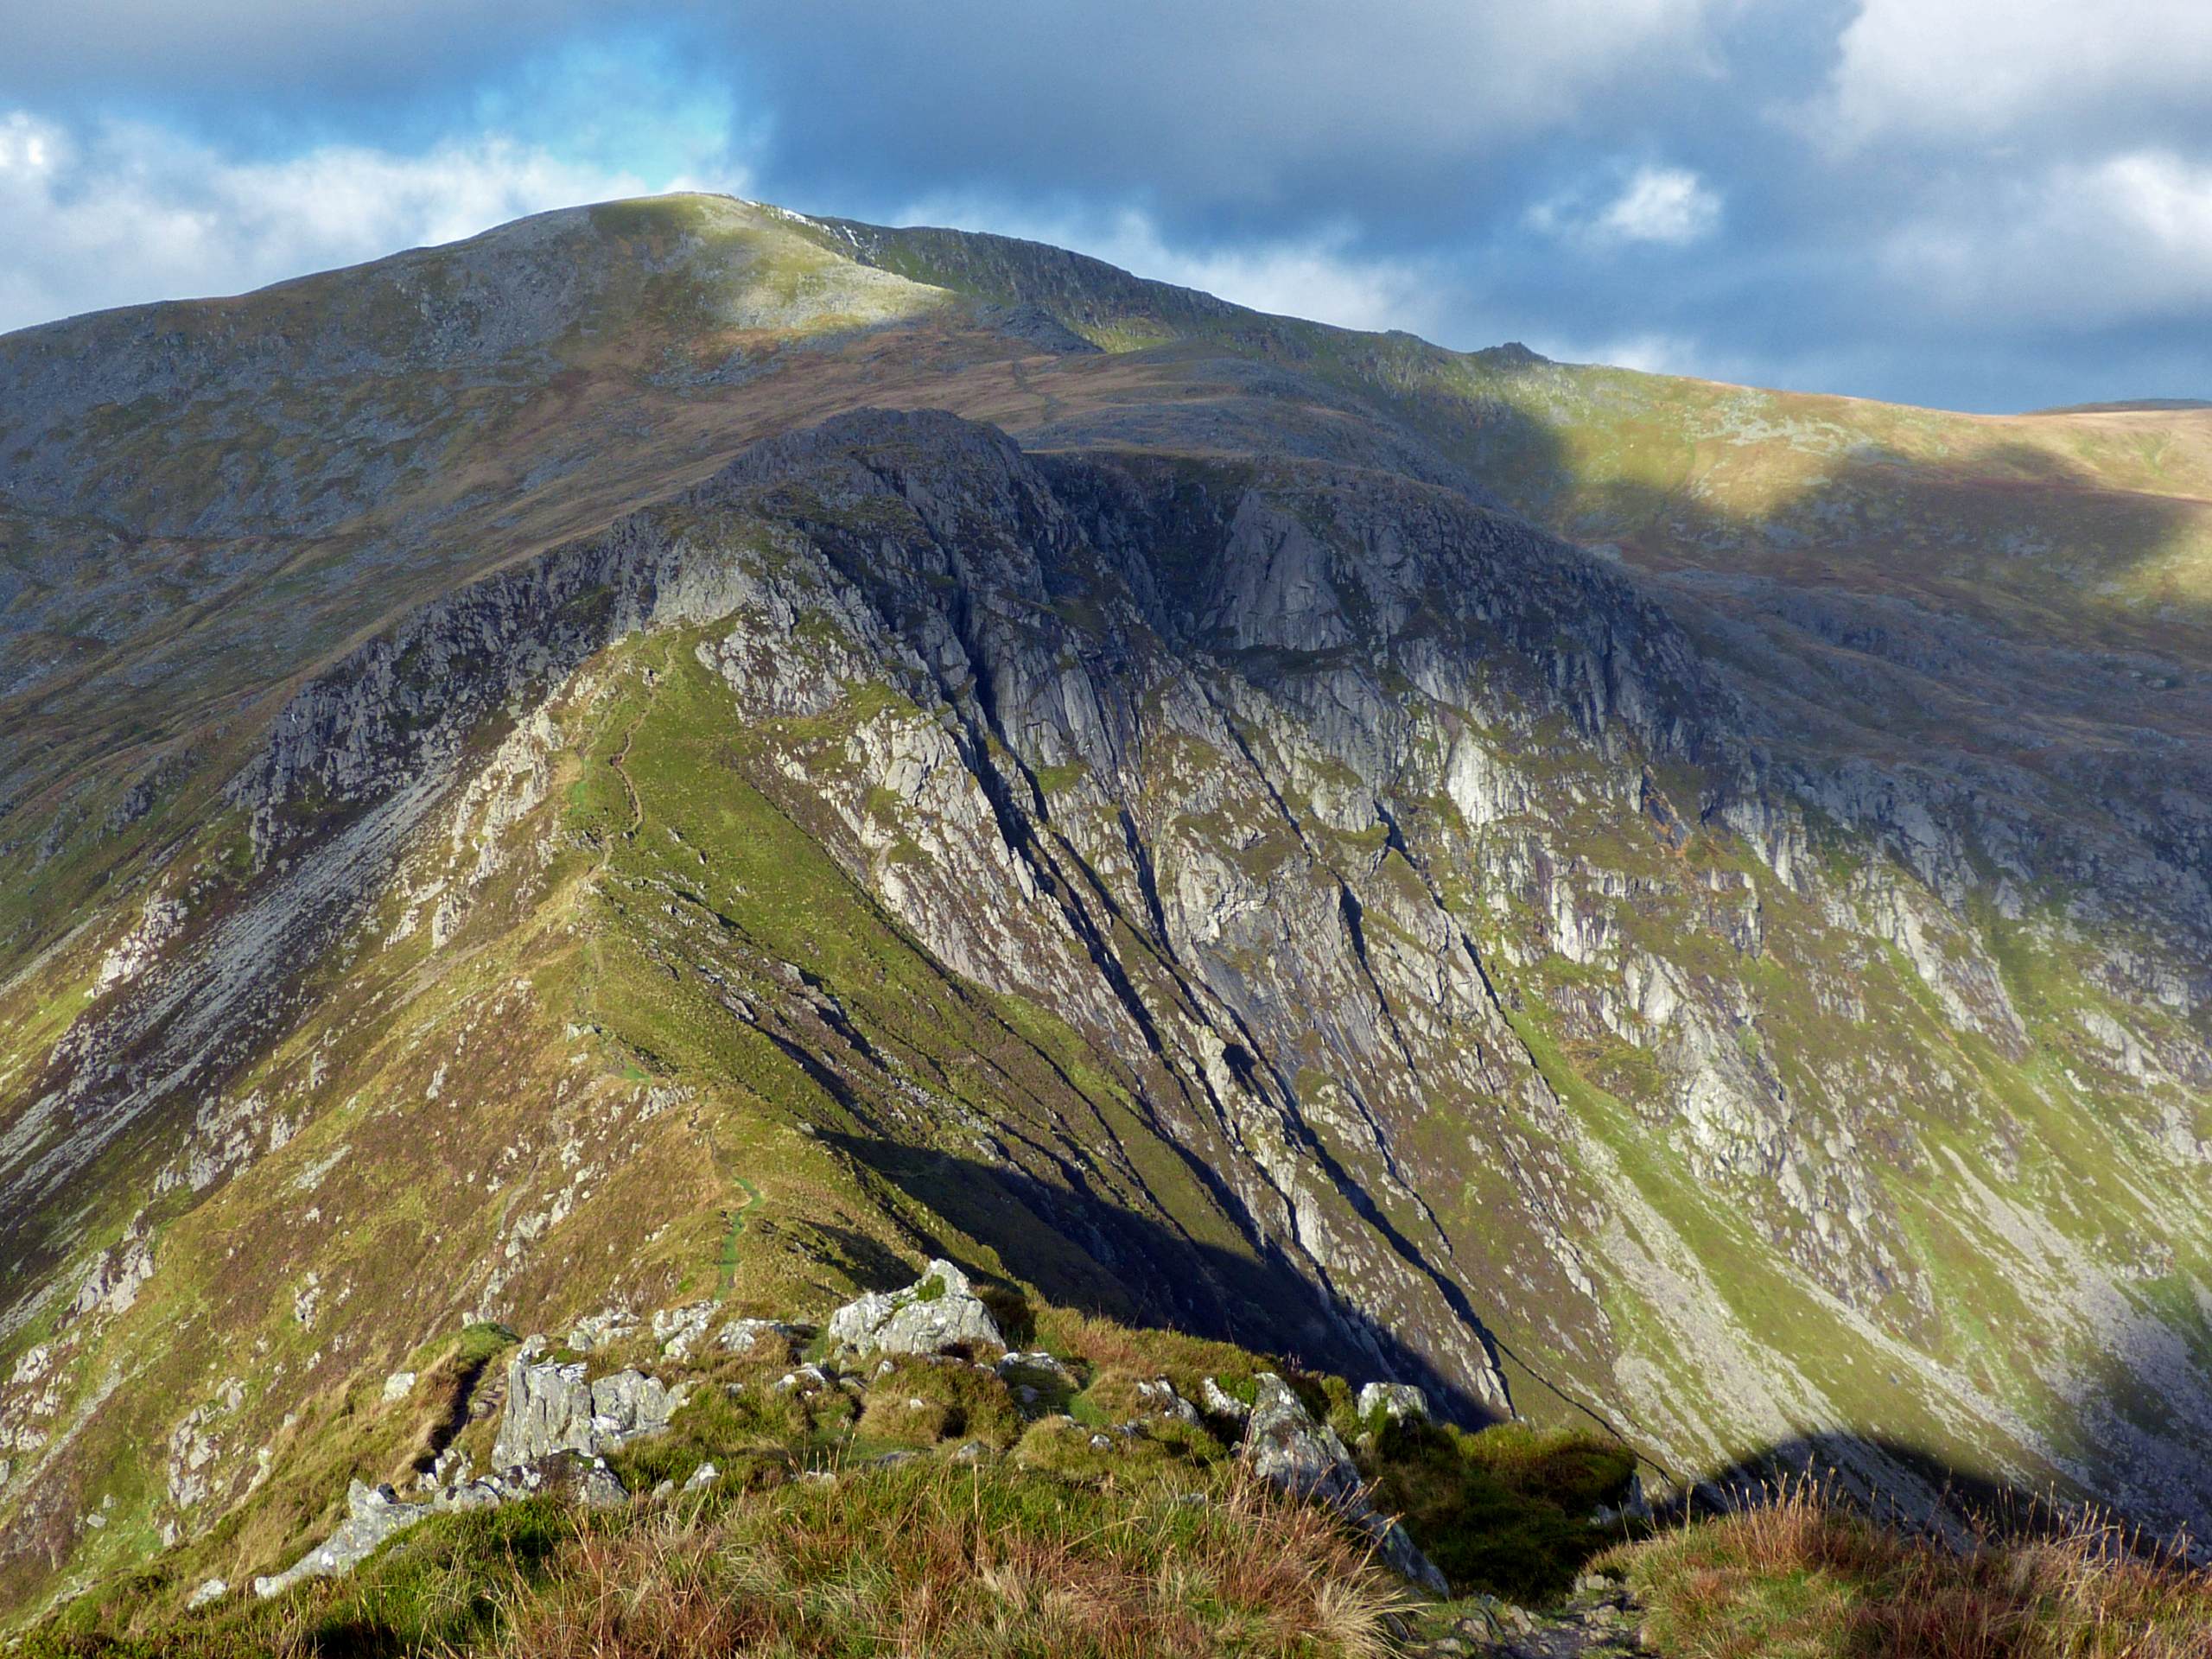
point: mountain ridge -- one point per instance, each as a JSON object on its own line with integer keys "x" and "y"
{"x": 1718, "y": 968}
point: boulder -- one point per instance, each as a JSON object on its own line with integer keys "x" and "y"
{"x": 557, "y": 1423}
{"x": 1038, "y": 1368}
{"x": 938, "y": 1314}
{"x": 1217, "y": 1402}
{"x": 1040, "y": 1382}
{"x": 1398, "y": 1402}
{"x": 596, "y": 1331}
{"x": 679, "y": 1329}
{"x": 572, "y": 1475}
{"x": 1285, "y": 1447}
{"x": 760, "y": 1336}
{"x": 1159, "y": 1395}
{"x": 553, "y": 1407}
{"x": 468, "y": 1495}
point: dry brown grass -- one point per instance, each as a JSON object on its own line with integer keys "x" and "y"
{"x": 1803, "y": 1576}
{"x": 945, "y": 1563}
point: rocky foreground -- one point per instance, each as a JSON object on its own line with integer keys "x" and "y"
{"x": 632, "y": 1425}
{"x": 559, "y": 1423}
{"x": 704, "y": 1484}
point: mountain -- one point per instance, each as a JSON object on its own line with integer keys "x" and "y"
{"x": 677, "y": 750}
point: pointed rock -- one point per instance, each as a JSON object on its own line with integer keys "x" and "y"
{"x": 1285, "y": 1447}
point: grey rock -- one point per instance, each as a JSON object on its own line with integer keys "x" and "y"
{"x": 1397, "y": 1401}
{"x": 750, "y": 1336}
{"x": 1217, "y": 1402}
{"x": 450, "y": 1468}
{"x": 1040, "y": 1382}
{"x": 569, "y": 1474}
{"x": 553, "y": 1409}
{"x": 679, "y": 1329}
{"x": 1159, "y": 1394}
{"x": 481, "y": 1494}
{"x": 938, "y": 1314}
{"x": 596, "y": 1330}
{"x": 374, "y": 1514}
{"x": 1285, "y": 1447}
{"x": 210, "y": 1591}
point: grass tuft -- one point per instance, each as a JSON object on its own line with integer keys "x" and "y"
{"x": 1802, "y": 1576}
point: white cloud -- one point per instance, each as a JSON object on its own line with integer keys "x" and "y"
{"x": 2080, "y": 245}
{"x": 1662, "y": 204}
{"x": 1319, "y": 276}
{"x": 2006, "y": 68}
{"x": 1651, "y": 353}
{"x": 1648, "y": 352}
{"x": 1667, "y": 204}
{"x": 125, "y": 214}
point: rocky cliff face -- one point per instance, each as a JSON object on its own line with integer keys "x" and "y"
{"x": 1273, "y": 892}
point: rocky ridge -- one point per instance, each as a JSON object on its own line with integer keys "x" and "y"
{"x": 558, "y": 1424}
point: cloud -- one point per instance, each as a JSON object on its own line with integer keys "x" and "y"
{"x": 2015, "y": 69}
{"x": 1212, "y": 121}
{"x": 127, "y": 213}
{"x": 1671, "y": 205}
{"x": 1662, "y": 204}
{"x": 1075, "y": 82}
{"x": 283, "y": 49}
{"x": 1650, "y": 353}
{"x": 2077, "y": 247}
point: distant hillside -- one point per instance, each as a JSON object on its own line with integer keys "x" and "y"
{"x": 2136, "y": 406}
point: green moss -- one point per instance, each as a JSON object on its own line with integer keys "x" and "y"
{"x": 1505, "y": 1512}
{"x": 921, "y": 1402}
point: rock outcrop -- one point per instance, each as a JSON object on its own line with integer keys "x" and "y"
{"x": 557, "y": 1425}
{"x": 1286, "y": 1447}
{"x": 373, "y": 1514}
{"x": 552, "y": 1407}
{"x": 938, "y": 1314}
{"x": 1396, "y": 1401}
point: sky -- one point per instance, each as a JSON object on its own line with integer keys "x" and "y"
{"x": 1975, "y": 204}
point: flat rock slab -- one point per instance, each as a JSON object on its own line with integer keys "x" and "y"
{"x": 1588, "y": 1627}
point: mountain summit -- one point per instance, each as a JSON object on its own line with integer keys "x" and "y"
{"x": 679, "y": 752}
